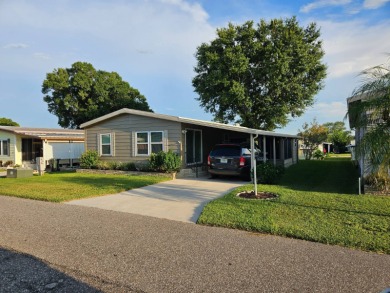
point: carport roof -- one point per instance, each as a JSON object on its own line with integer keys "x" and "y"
{"x": 46, "y": 133}
{"x": 186, "y": 120}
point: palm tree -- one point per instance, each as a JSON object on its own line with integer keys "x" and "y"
{"x": 369, "y": 112}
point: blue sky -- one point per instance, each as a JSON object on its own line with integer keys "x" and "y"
{"x": 151, "y": 44}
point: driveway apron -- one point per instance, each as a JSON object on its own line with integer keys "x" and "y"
{"x": 180, "y": 199}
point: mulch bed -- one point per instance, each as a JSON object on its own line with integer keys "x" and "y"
{"x": 260, "y": 195}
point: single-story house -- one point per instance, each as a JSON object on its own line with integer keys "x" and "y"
{"x": 131, "y": 135}
{"x": 325, "y": 147}
{"x": 24, "y": 145}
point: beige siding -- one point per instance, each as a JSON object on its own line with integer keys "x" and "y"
{"x": 122, "y": 127}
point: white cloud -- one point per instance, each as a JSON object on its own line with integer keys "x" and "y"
{"x": 15, "y": 46}
{"x": 330, "y": 111}
{"x": 141, "y": 37}
{"x": 374, "y": 4}
{"x": 353, "y": 46}
{"x": 42, "y": 56}
{"x": 322, "y": 3}
{"x": 195, "y": 10}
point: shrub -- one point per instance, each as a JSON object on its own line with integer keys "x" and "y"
{"x": 8, "y": 163}
{"x": 379, "y": 180}
{"x": 318, "y": 154}
{"x": 102, "y": 165}
{"x": 89, "y": 159}
{"x": 268, "y": 173}
{"x": 129, "y": 166}
{"x": 165, "y": 162}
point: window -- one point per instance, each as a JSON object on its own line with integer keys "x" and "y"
{"x": 105, "y": 144}
{"x": 149, "y": 142}
{"x": 4, "y": 147}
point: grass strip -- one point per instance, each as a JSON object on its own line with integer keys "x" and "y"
{"x": 317, "y": 201}
{"x": 65, "y": 186}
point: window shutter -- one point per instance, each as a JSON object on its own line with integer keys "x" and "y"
{"x": 113, "y": 144}
{"x": 165, "y": 141}
{"x": 9, "y": 147}
{"x": 98, "y": 143}
{"x": 133, "y": 144}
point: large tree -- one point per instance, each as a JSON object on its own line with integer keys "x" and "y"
{"x": 8, "y": 122}
{"x": 338, "y": 135}
{"x": 259, "y": 76}
{"x": 371, "y": 112}
{"x": 81, "y": 93}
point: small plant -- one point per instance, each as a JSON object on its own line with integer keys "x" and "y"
{"x": 379, "y": 180}
{"x": 103, "y": 165}
{"x": 268, "y": 173}
{"x": 165, "y": 162}
{"x": 89, "y": 159}
{"x": 129, "y": 166}
{"x": 113, "y": 165}
{"x": 8, "y": 163}
{"x": 318, "y": 154}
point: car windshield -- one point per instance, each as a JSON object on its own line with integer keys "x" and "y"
{"x": 226, "y": 151}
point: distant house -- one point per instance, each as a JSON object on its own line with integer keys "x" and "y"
{"x": 23, "y": 145}
{"x": 325, "y": 147}
{"x": 131, "y": 135}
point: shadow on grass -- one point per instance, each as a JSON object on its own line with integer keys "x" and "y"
{"x": 333, "y": 175}
{"x": 116, "y": 181}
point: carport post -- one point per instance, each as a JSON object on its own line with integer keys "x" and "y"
{"x": 253, "y": 161}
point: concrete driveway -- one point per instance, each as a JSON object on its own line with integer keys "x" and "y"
{"x": 180, "y": 199}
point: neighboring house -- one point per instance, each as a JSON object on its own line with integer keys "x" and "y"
{"x": 363, "y": 163}
{"x": 132, "y": 135}
{"x": 325, "y": 147}
{"x": 23, "y": 145}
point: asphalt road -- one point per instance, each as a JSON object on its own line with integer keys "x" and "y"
{"x": 64, "y": 248}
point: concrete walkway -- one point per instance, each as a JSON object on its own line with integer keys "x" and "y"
{"x": 180, "y": 199}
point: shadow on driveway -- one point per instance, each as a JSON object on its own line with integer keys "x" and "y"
{"x": 24, "y": 273}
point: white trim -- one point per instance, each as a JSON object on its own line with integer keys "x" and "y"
{"x": 101, "y": 144}
{"x": 8, "y": 143}
{"x": 193, "y": 144}
{"x": 149, "y": 142}
{"x": 185, "y": 120}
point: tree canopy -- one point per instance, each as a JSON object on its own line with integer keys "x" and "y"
{"x": 338, "y": 135}
{"x": 259, "y": 76}
{"x": 81, "y": 93}
{"x": 7, "y": 122}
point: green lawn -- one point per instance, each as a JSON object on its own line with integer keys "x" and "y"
{"x": 317, "y": 201}
{"x": 64, "y": 186}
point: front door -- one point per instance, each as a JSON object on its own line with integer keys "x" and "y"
{"x": 193, "y": 146}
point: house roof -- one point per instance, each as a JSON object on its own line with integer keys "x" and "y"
{"x": 46, "y": 133}
{"x": 185, "y": 120}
